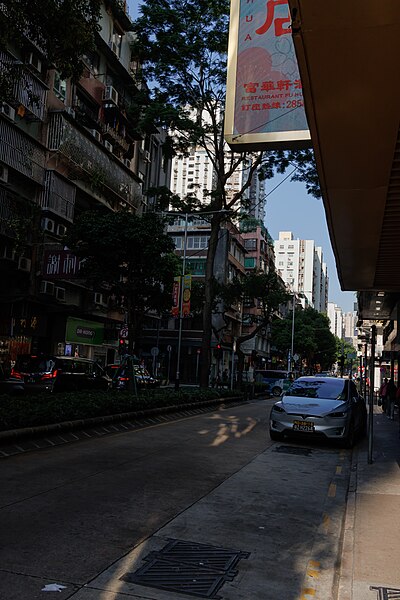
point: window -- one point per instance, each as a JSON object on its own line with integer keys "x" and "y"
{"x": 196, "y": 242}
{"x": 60, "y": 87}
{"x": 178, "y": 242}
{"x": 250, "y": 244}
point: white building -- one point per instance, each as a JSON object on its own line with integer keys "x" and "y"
{"x": 335, "y": 316}
{"x": 301, "y": 266}
{"x": 350, "y": 327}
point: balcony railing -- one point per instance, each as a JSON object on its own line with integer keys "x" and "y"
{"x": 58, "y": 196}
{"x": 13, "y": 208}
{"x": 20, "y": 152}
{"x": 27, "y": 90}
{"x": 89, "y": 162}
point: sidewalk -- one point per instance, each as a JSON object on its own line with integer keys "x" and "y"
{"x": 370, "y": 564}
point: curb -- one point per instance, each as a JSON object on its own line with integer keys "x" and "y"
{"x": 347, "y": 555}
{"x": 13, "y": 435}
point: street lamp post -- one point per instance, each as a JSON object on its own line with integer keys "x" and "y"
{"x": 292, "y": 345}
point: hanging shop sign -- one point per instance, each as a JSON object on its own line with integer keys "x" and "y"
{"x": 264, "y": 102}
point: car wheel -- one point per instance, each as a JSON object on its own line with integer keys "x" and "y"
{"x": 275, "y": 436}
{"x": 276, "y": 391}
{"x": 349, "y": 440}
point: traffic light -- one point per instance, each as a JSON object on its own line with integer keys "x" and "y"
{"x": 218, "y": 351}
{"x": 123, "y": 347}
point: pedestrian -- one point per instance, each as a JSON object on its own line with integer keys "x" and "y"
{"x": 391, "y": 391}
{"x": 382, "y": 394}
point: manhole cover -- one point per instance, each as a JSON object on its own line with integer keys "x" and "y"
{"x": 293, "y": 450}
{"x": 188, "y": 568}
{"x": 386, "y": 593}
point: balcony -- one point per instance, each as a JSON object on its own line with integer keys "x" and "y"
{"x": 116, "y": 139}
{"x": 58, "y": 196}
{"x": 27, "y": 90}
{"x": 12, "y": 209}
{"x": 20, "y": 152}
{"x": 89, "y": 163}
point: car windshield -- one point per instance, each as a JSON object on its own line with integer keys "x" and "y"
{"x": 34, "y": 364}
{"x": 330, "y": 390}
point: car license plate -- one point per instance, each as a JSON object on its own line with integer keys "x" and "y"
{"x": 303, "y": 426}
{"x": 30, "y": 380}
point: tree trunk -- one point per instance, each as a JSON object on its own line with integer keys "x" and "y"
{"x": 208, "y": 302}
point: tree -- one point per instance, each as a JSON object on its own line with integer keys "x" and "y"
{"x": 187, "y": 82}
{"x": 344, "y": 348}
{"x": 131, "y": 254}
{"x": 63, "y": 30}
{"x": 268, "y": 292}
{"x": 313, "y": 339}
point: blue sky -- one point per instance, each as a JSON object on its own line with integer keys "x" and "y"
{"x": 290, "y": 208}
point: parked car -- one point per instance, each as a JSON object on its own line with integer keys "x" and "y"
{"x": 120, "y": 377}
{"x": 10, "y": 385}
{"x": 326, "y": 407}
{"x": 46, "y": 373}
{"x": 276, "y": 381}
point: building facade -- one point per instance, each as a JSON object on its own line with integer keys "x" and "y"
{"x": 301, "y": 266}
{"x": 65, "y": 148}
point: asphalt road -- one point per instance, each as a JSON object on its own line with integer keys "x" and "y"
{"x": 71, "y": 513}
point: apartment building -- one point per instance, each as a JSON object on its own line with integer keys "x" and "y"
{"x": 335, "y": 316}
{"x": 301, "y": 266}
{"x": 73, "y": 148}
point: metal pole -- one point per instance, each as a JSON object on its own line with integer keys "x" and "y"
{"x": 178, "y": 358}
{"x": 292, "y": 346}
{"x": 365, "y": 369}
{"x": 233, "y": 361}
{"x": 371, "y": 395}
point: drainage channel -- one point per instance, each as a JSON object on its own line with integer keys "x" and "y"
{"x": 188, "y": 568}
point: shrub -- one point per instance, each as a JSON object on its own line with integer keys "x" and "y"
{"x": 44, "y": 409}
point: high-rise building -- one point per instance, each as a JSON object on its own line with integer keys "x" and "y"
{"x": 66, "y": 147}
{"x": 301, "y": 266}
{"x": 335, "y": 316}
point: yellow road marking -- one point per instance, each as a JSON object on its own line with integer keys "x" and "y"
{"x": 326, "y": 522}
{"x": 338, "y": 470}
{"x": 332, "y": 490}
{"x": 307, "y": 592}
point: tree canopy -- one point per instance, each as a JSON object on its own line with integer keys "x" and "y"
{"x": 313, "y": 339}
{"x": 133, "y": 255}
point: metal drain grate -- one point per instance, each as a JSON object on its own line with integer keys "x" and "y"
{"x": 188, "y": 568}
{"x": 386, "y": 593}
{"x": 294, "y": 450}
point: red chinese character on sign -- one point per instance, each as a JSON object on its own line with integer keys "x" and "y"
{"x": 267, "y": 86}
{"x": 255, "y": 107}
{"x": 278, "y": 22}
{"x": 250, "y": 88}
{"x": 245, "y": 106}
{"x": 297, "y": 84}
{"x": 283, "y": 84}
{"x": 266, "y": 106}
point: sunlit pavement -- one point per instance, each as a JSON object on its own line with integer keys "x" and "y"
{"x": 370, "y": 565}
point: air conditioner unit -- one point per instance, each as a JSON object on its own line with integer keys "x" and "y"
{"x": 48, "y": 225}
{"x": 8, "y": 253}
{"x": 24, "y": 264}
{"x": 146, "y": 155}
{"x": 70, "y": 111}
{"x": 60, "y": 294}
{"x": 3, "y": 173}
{"x": 113, "y": 46}
{"x": 61, "y": 230}
{"x": 96, "y": 134}
{"x": 35, "y": 61}
{"x": 110, "y": 93}
{"x": 108, "y": 146}
{"x": 127, "y": 162}
{"x": 99, "y": 299}
{"x": 7, "y": 111}
{"x": 47, "y": 287}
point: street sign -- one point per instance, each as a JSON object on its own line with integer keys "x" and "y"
{"x": 123, "y": 332}
{"x": 154, "y": 351}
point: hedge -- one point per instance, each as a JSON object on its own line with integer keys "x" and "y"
{"x": 44, "y": 409}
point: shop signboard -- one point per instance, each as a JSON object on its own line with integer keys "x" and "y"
{"x": 264, "y": 102}
{"x": 79, "y": 331}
